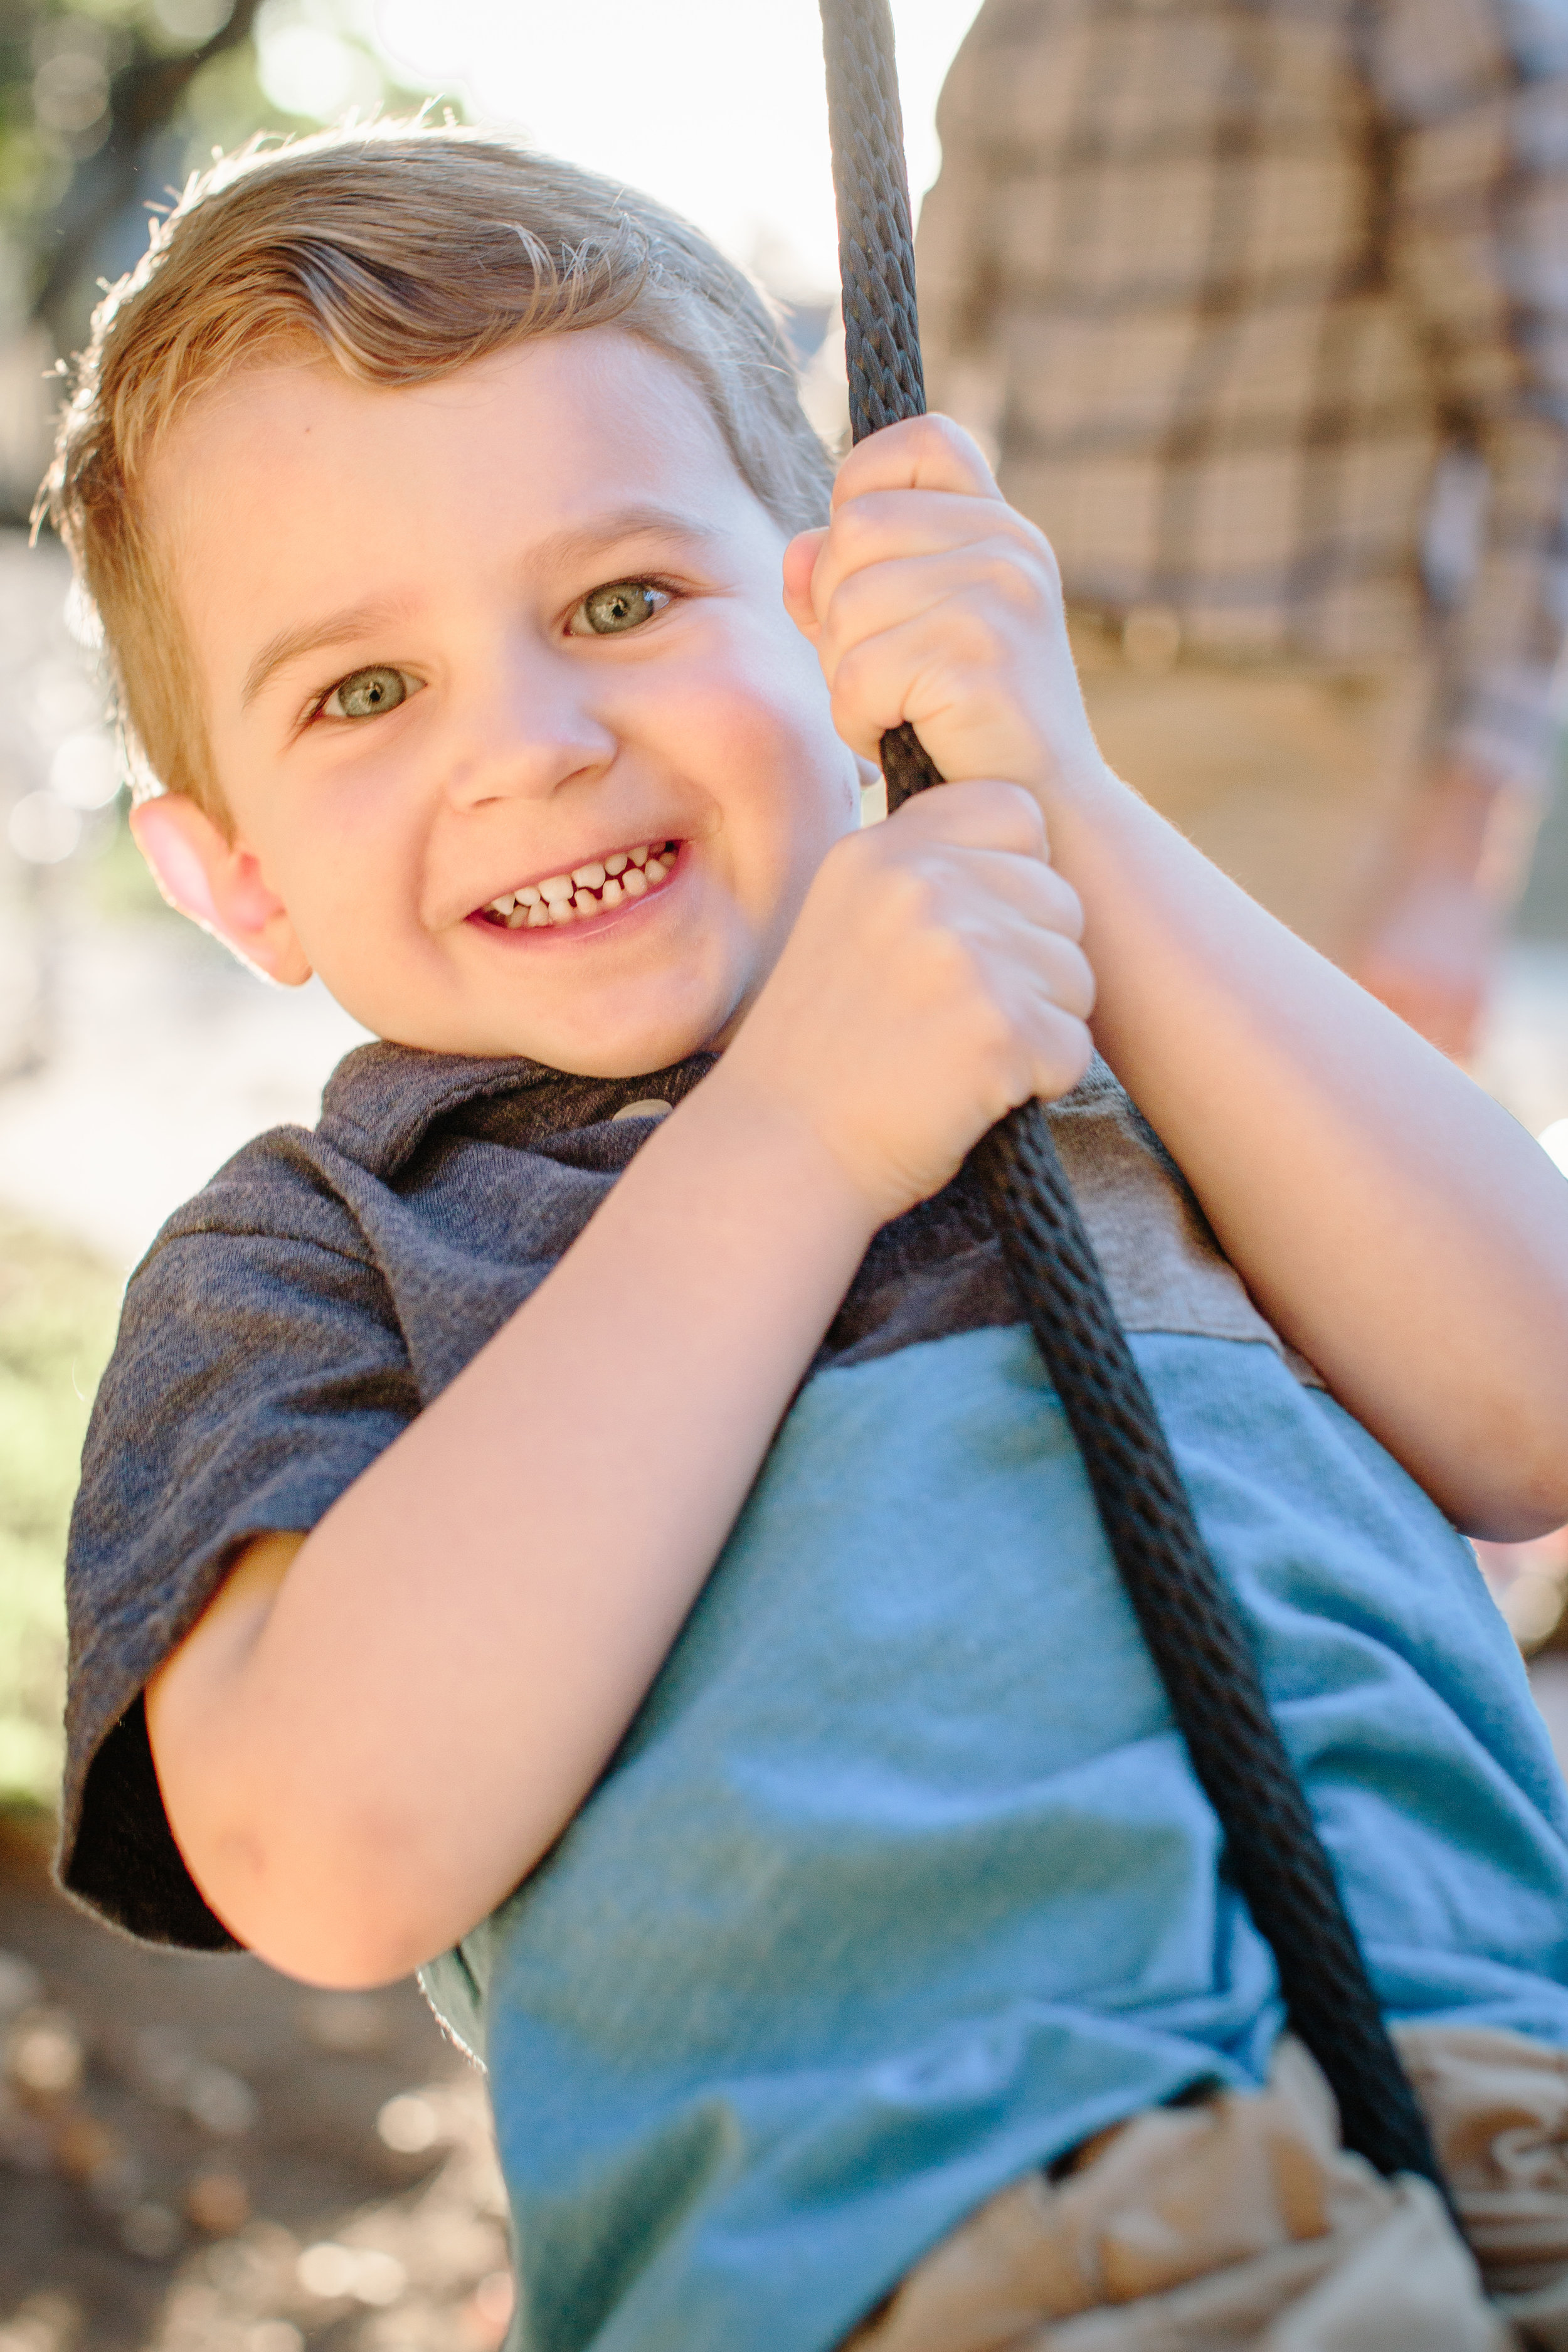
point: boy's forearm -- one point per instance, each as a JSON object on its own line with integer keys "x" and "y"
{"x": 360, "y": 1769}
{"x": 1394, "y": 1223}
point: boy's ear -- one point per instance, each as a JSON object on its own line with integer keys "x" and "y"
{"x": 218, "y": 884}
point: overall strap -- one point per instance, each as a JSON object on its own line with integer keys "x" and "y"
{"x": 1188, "y": 1616}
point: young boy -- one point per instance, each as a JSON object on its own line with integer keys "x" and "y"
{"x": 586, "y": 1520}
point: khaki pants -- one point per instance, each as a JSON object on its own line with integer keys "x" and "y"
{"x": 1241, "y": 2225}
{"x": 1295, "y": 783}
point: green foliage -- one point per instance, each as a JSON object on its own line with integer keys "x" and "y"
{"x": 106, "y": 106}
{"x": 58, "y": 1306}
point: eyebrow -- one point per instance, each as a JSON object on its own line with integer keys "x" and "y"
{"x": 606, "y": 531}
{"x": 565, "y": 547}
{"x": 309, "y": 637}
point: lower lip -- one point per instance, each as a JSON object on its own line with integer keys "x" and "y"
{"x": 583, "y": 926}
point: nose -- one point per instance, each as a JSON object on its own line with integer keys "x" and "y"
{"x": 528, "y": 727}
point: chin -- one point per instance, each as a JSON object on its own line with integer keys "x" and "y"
{"x": 633, "y": 1049}
{"x": 626, "y": 1037}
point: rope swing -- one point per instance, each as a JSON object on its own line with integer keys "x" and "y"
{"x": 1189, "y": 1618}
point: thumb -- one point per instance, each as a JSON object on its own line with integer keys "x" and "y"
{"x": 799, "y": 564}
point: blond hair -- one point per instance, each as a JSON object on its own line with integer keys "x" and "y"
{"x": 404, "y": 251}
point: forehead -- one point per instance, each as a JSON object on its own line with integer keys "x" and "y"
{"x": 291, "y": 464}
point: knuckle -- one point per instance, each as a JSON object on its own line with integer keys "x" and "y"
{"x": 856, "y": 530}
{"x": 853, "y": 692}
{"x": 990, "y": 1034}
{"x": 905, "y": 894}
{"x": 1008, "y": 573}
{"x": 972, "y": 635}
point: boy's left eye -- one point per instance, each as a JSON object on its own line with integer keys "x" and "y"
{"x": 366, "y": 693}
{"x": 619, "y": 606}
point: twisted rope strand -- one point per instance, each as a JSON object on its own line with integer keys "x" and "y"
{"x": 1189, "y": 1618}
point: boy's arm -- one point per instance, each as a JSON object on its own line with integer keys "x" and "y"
{"x": 374, "y": 1733}
{"x": 1394, "y": 1223}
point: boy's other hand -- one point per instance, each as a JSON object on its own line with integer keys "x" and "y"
{"x": 933, "y": 980}
{"x": 929, "y": 599}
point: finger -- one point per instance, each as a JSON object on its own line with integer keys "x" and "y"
{"x": 1061, "y": 975}
{"x": 1049, "y": 1050}
{"x": 927, "y": 453}
{"x": 800, "y": 559}
{"x": 948, "y": 671}
{"x": 1030, "y": 962}
{"x": 1063, "y": 1050}
{"x": 998, "y": 895}
{"x": 1002, "y": 591}
{"x": 984, "y": 814}
{"x": 890, "y": 526}
{"x": 1022, "y": 886}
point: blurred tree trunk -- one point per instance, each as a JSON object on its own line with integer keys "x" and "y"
{"x": 143, "y": 97}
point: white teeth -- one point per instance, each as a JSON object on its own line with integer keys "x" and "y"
{"x": 586, "y": 890}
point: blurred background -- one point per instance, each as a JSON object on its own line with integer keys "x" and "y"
{"x": 195, "y": 2154}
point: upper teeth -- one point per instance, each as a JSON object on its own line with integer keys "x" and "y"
{"x": 602, "y": 882}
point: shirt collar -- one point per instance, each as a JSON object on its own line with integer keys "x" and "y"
{"x": 381, "y": 1100}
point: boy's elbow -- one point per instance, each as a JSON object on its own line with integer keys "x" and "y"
{"x": 333, "y": 1930}
{"x": 325, "y": 1909}
{"x": 1521, "y": 1495}
{"x": 336, "y": 1958}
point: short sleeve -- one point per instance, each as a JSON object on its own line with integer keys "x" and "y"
{"x": 259, "y": 1369}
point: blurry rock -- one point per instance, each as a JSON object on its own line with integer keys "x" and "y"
{"x": 327, "y": 2271}
{"x": 44, "y": 2053}
{"x": 221, "y": 2101}
{"x": 333, "y": 2273}
{"x": 121, "y": 2183}
{"x": 408, "y": 2124}
{"x": 25, "y": 2144}
{"x": 20, "y": 1985}
{"x": 352, "y": 2024}
{"x": 44, "y": 2323}
{"x": 217, "y": 2204}
{"x": 151, "y": 2231}
{"x": 84, "y": 2147}
{"x": 379, "y": 2279}
{"x": 164, "y": 2064}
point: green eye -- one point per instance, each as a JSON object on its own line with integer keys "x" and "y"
{"x": 622, "y": 604}
{"x": 367, "y": 693}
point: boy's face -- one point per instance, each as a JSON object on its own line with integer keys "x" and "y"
{"x": 476, "y": 636}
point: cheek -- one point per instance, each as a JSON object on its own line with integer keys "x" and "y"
{"x": 773, "y": 726}
{"x": 348, "y": 873}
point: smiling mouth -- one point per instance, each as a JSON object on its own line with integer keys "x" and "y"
{"x": 590, "y": 890}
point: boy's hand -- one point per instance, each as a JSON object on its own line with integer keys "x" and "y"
{"x": 929, "y": 599}
{"x": 932, "y": 980}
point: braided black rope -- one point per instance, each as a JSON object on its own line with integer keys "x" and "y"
{"x": 1189, "y": 1618}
